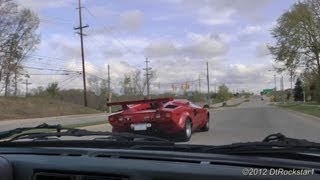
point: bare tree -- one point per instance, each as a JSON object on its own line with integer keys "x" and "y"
{"x": 7, "y": 12}
{"x": 18, "y": 38}
{"x": 94, "y": 85}
{"x": 126, "y": 88}
{"x": 136, "y": 82}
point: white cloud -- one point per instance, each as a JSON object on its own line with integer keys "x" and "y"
{"x": 38, "y": 5}
{"x": 101, "y": 10}
{"x": 209, "y": 17}
{"x": 262, "y": 50}
{"x": 221, "y": 12}
{"x": 174, "y": 61}
{"x": 199, "y": 46}
{"x": 178, "y": 70}
{"x": 250, "y": 29}
{"x": 161, "y": 49}
{"x": 132, "y": 19}
{"x": 252, "y": 77}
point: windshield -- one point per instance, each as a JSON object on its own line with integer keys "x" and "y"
{"x": 201, "y": 72}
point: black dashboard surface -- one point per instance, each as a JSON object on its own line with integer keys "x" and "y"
{"x": 103, "y": 164}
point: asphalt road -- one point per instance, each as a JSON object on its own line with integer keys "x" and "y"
{"x": 250, "y": 121}
{"x": 253, "y": 121}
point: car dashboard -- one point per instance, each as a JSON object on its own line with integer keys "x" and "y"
{"x": 47, "y": 163}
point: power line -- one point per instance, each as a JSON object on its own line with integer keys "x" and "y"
{"x": 49, "y": 74}
{"x": 68, "y": 81}
{"x": 64, "y": 70}
{"x": 47, "y": 57}
{"x": 50, "y": 65}
{"x": 51, "y": 21}
{"x": 58, "y": 62}
{"x": 49, "y": 69}
{"x": 36, "y": 57}
{"x": 179, "y": 83}
{"x": 106, "y": 29}
{"x": 97, "y": 76}
{"x": 57, "y": 19}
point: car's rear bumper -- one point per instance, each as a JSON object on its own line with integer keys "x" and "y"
{"x": 156, "y": 128}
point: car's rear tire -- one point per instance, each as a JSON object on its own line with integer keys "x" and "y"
{"x": 187, "y": 131}
{"x": 207, "y": 125}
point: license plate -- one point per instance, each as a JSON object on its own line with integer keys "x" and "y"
{"x": 140, "y": 127}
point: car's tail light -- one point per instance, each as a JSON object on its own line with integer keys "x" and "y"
{"x": 112, "y": 119}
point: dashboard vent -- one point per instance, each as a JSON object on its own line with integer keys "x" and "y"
{"x": 67, "y": 176}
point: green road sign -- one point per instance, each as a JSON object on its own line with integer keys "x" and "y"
{"x": 266, "y": 91}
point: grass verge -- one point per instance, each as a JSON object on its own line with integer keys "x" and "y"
{"x": 37, "y": 107}
{"x": 313, "y": 110}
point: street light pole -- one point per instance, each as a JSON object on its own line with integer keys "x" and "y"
{"x": 208, "y": 84}
{"x": 282, "y": 89}
{"x": 275, "y": 82}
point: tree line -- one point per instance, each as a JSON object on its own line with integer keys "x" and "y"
{"x": 97, "y": 94}
{"x": 18, "y": 37}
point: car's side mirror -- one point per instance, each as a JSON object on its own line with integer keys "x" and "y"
{"x": 206, "y": 106}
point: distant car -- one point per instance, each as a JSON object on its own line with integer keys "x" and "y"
{"x": 174, "y": 117}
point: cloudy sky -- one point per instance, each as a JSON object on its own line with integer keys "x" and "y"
{"x": 178, "y": 37}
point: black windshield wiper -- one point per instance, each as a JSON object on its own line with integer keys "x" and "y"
{"x": 271, "y": 144}
{"x": 61, "y": 131}
{"x": 9, "y": 133}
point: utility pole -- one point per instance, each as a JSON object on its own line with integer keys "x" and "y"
{"x": 109, "y": 88}
{"x": 199, "y": 84}
{"x": 82, "y": 53}
{"x": 192, "y": 84}
{"x": 15, "y": 83}
{"x": 208, "y": 84}
{"x": 215, "y": 87}
{"x": 26, "y": 83}
{"x": 275, "y": 82}
{"x": 147, "y": 69}
{"x": 282, "y": 88}
{"x": 304, "y": 95}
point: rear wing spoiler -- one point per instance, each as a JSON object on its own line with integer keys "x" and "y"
{"x": 125, "y": 103}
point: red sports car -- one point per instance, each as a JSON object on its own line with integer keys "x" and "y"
{"x": 165, "y": 116}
